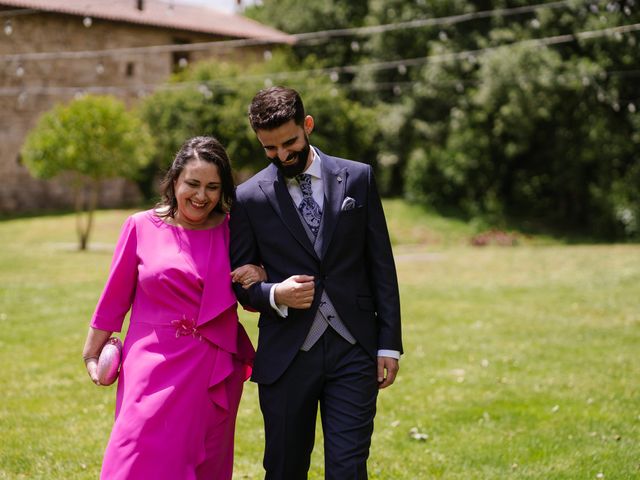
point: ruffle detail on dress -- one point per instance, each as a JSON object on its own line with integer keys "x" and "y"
{"x": 227, "y": 327}
{"x": 222, "y": 368}
{"x": 222, "y": 330}
{"x": 246, "y": 352}
{"x": 217, "y": 295}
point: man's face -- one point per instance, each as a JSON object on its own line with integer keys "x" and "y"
{"x": 287, "y": 146}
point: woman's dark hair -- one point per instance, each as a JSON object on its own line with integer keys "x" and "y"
{"x": 275, "y": 106}
{"x": 207, "y": 149}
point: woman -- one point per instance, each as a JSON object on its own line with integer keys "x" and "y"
{"x": 185, "y": 356}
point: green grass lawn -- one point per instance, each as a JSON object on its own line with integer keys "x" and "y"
{"x": 520, "y": 362}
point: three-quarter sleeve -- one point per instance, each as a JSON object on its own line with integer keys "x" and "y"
{"x": 119, "y": 290}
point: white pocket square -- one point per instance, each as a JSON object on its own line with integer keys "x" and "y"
{"x": 348, "y": 204}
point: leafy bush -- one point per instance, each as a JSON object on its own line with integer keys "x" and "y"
{"x": 535, "y": 138}
{"x": 212, "y": 98}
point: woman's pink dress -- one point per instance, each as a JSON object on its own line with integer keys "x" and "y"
{"x": 185, "y": 356}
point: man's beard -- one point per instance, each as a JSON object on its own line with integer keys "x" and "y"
{"x": 297, "y": 168}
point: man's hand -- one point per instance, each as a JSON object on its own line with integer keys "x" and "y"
{"x": 387, "y": 370}
{"x": 295, "y": 292}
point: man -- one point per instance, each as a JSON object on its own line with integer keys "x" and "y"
{"x": 330, "y": 310}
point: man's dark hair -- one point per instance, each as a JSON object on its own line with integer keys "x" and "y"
{"x": 275, "y": 106}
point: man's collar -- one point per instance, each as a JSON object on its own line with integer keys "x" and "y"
{"x": 315, "y": 169}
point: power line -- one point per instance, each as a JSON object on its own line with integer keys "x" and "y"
{"x": 543, "y": 41}
{"x": 301, "y": 37}
{"x": 430, "y": 22}
{"x": 187, "y": 47}
{"x": 376, "y": 66}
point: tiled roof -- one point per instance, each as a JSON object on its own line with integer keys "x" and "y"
{"x": 159, "y": 14}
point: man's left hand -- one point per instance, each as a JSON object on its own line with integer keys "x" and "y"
{"x": 387, "y": 370}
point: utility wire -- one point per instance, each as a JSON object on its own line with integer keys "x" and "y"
{"x": 376, "y": 66}
{"x": 429, "y": 22}
{"x": 543, "y": 41}
{"x": 301, "y": 37}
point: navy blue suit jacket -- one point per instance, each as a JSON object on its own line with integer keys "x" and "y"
{"x": 355, "y": 267}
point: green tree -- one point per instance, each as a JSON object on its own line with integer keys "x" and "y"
{"x": 294, "y": 16}
{"x": 543, "y": 133}
{"x": 204, "y": 99}
{"x": 91, "y": 138}
{"x": 212, "y": 98}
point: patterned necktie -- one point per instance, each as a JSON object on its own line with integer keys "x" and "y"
{"x": 308, "y": 207}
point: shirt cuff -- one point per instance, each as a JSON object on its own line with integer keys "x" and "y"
{"x": 281, "y": 310}
{"x": 389, "y": 353}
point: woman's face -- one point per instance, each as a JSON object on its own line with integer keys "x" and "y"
{"x": 198, "y": 190}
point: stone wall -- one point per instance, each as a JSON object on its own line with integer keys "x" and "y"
{"x": 21, "y": 104}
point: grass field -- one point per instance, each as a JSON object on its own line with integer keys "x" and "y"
{"x": 520, "y": 362}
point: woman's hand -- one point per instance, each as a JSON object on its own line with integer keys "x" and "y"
{"x": 96, "y": 339}
{"x": 92, "y": 368}
{"x": 248, "y": 274}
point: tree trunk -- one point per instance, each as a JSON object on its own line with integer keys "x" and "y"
{"x": 86, "y": 200}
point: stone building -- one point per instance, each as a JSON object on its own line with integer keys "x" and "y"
{"x": 54, "y": 50}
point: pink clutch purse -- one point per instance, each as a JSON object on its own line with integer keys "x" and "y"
{"x": 109, "y": 361}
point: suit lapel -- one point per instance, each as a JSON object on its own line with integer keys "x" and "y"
{"x": 276, "y": 192}
{"x": 334, "y": 181}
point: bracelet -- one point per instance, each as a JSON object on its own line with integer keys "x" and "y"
{"x": 86, "y": 359}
